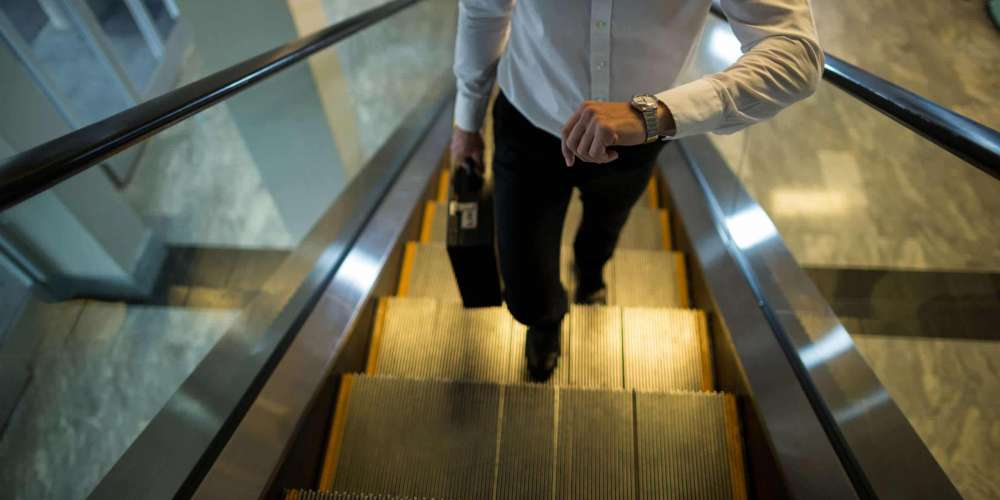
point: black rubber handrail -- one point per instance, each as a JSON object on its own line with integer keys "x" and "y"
{"x": 35, "y": 170}
{"x": 967, "y": 139}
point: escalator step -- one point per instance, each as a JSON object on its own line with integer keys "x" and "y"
{"x": 406, "y": 437}
{"x": 603, "y": 346}
{"x": 666, "y": 349}
{"x": 649, "y": 279}
{"x": 475, "y": 440}
{"x": 644, "y": 278}
{"x": 340, "y": 495}
{"x": 643, "y": 230}
{"x": 672, "y": 465}
{"x": 595, "y": 446}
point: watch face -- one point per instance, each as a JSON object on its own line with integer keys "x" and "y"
{"x": 645, "y": 101}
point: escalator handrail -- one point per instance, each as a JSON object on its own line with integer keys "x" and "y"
{"x": 967, "y": 139}
{"x": 35, "y": 170}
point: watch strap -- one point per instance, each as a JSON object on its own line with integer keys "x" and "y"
{"x": 649, "y": 116}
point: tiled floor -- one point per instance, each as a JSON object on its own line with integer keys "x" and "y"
{"x": 948, "y": 389}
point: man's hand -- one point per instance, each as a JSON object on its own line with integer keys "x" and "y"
{"x": 597, "y": 125}
{"x": 466, "y": 145}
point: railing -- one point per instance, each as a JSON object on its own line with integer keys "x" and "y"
{"x": 969, "y": 140}
{"x": 35, "y": 170}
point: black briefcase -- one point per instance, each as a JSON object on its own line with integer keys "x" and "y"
{"x": 470, "y": 238}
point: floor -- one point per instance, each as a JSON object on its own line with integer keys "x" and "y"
{"x": 900, "y": 236}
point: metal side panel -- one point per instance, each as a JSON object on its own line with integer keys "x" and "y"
{"x": 665, "y": 349}
{"x": 424, "y": 339}
{"x": 684, "y": 450}
{"x": 430, "y": 274}
{"x": 646, "y": 279}
{"x": 526, "y": 450}
{"x": 594, "y": 445}
{"x": 595, "y": 347}
{"x": 406, "y": 437}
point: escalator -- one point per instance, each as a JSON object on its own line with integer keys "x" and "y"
{"x": 445, "y": 409}
{"x": 352, "y": 371}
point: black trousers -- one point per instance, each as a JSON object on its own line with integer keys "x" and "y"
{"x": 533, "y": 187}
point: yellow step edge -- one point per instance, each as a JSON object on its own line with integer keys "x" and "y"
{"x": 707, "y": 378}
{"x": 404, "y": 276}
{"x": 443, "y": 180}
{"x": 428, "y": 222}
{"x": 665, "y": 228}
{"x": 336, "y": 433}
{"x": 376, "y": 336}
{"x": 737, "y": 474}
{"x": 292, "y": 495}
{"x": 682, "y": 283}
{"x": 654, "y": 194}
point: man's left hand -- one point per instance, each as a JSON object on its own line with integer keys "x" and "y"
{"x": 598, "y": 125}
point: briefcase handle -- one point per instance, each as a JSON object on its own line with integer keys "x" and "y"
{"x": 467, "y": 178}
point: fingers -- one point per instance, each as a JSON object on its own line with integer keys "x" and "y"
{"x": 565, "y": 133}
{"x": 585, "y": 136}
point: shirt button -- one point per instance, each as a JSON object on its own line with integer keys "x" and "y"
{"x": 601, "y": 24}
{"x": 602, "y": 64}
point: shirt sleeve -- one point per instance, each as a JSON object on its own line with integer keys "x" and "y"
{"x": 483, "y": 27}
{"x": 782, "y": 63}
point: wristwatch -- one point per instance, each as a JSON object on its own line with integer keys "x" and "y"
{"x": 647, "y": 105}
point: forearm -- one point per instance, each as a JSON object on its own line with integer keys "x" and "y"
{"x": 783, "y": 65}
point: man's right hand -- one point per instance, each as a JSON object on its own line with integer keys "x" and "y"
{"x": 465, "y": 145}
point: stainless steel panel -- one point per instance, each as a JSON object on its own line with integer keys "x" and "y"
{"x": 183, "y": 432}
{"x": 861, "y": 420}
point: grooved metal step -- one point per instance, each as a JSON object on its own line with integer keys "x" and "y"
{"x": 478, "y": 440}
{"x": 643, "y": 231}
{"x": 645, "y": 278}
{"x": 603, "y": 346}
{"x": 340, "y": 495}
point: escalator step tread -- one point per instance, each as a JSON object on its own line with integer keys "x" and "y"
{"x": 407, "y": 437}
{"x": 478, "y": 440}
{"x": 340, "y": 495}
{"x": 644, "y": 278}
{"x": 642, "y": 231}
{"x": 603, "y": 346}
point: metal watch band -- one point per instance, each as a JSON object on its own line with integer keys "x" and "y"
{"x": 649, "y": 115}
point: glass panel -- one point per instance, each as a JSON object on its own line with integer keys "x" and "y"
{"x": 217, "y": 204}
{"x": 133, "y": 51}
{"x": 86, "y": 85}
{"x": 162, "y": 16}
{"x": 902, "y": 239}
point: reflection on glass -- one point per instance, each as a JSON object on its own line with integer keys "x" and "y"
{"x": 750, "y": 227}
{"x": 163, "y": 14}
{"x": 86, "y": 85}
{"x": 134, "y": 53}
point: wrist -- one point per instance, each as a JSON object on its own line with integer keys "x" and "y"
{"x": 665, "y": 124}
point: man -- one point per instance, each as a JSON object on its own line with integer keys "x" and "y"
{"x": 584, "y": 102}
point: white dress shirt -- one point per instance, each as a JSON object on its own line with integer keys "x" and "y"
{"x": 555, "y": 54}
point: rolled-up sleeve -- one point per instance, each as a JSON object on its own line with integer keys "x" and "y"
{"x": 483, "y": 27}
{"x": 782, "y": 63}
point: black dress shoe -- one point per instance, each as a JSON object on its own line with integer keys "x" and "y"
{"x": 589, "y": 290}
{"x": 542, "y": 350}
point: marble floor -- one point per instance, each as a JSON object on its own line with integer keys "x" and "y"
{"x": 950, "y": 392}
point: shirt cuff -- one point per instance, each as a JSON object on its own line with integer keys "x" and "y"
{"x": 695, "y": 106}
{"x": 470, "y": 112}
